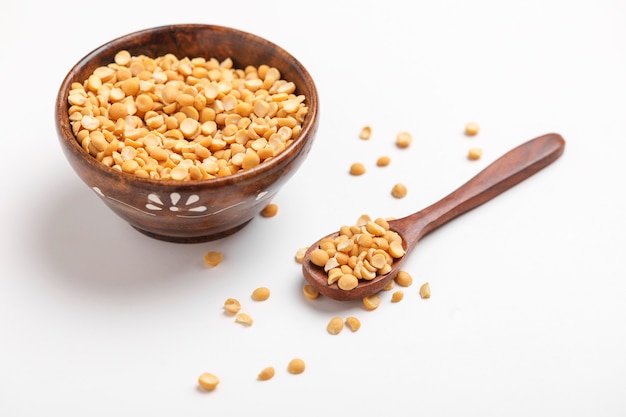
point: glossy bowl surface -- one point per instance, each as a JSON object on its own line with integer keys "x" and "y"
{"x": 190, "y": 211}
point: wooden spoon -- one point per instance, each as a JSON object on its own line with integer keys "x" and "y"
{"x": 507, "y": 171}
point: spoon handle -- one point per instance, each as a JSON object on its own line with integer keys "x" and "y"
{"x": 507, "y": 171}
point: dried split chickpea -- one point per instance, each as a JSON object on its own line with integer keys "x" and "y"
{"x": 403, "y": 139}
{"x": 266, "y": 374}
{"x": 310, "y": 292}
{"x": 353, "y": 323}
{"x": 300, "y": 254}
{"x": 383, "y": 161}
{"x": 213, "y": 258}
{"x": 474, "y": 153}
{"x": 362, "y": 251}
{"x": 425, "y": 290}
{"x": 366, "y": 132}
{"x": 371, "y": 302}
{"x": 184, "y": 119}
{"x": 403, "y": 279}
{"x": 357, "y": 169}
{"x": 399, "y": 191}
{"x": 232, "y": 306}
{"x": 261, "y": 294}
{"x": 296, "y": 366}
{"x": 472, "y": 129}
{"x": 397, "y": 296}
{"x": 208, "y": 381}
{"x": 244, "y": 319}
{"x": 335, "y": 325}
{"x": 270, "y": 210}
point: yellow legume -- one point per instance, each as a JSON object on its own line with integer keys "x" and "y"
{"x": 299, "y": 256}
{"x": 232, "y": 306}
{"x": 404, "y": 279}
{"x": 296, "y": 366}
{"x": 310, "y": 292}
{"x": 371, "y": 302}
{"x": 244, "y": 319}
{"x": 425, "y": 290}
{"x": 213, "y": 258}
{"x": 319, "y": 257}
{"x": 366, "y": 132}
{"x": 383, "y": 161}
{"x": 270, "y": 210}
{"x": 474, "y": 153}
{"x": 472, "y": 129}
{"x": 261, "y": 294}
{"x": 399, "y": 191}
{"x": 197, "y": 99}
{"x": 266, "y": 374}
{"x": 335, "y": 325}
{"x": 347, "y": 282}
{"x": 404, "y": 139}
{"x": 208, "y": 381}
{"x": 353, "y": 323}
{"x": 357, "y": 169}
{"x": 397, "y": 296}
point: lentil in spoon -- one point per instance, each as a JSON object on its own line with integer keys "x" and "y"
{"x": 505, "y": 172}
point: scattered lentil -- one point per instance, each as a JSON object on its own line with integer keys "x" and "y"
{"x": 310, "y": 292}
{"x": 296, "y": 366}
{"x": 353, "y": 323}
{"x": 403, "y": 278}
{"x": 371, "y": 302}
{"x": 383, "y": 161}
{"x": 261, "y": 294}
{"x": 270, "y": 210}
{"x": 300, "y": 254}
{"x": 213, "y": 258}
{"x": 244, "y": 319}
{"x": 208, "y": 381}
{"x": 472, "y": 129}
{"x": 399, "y": 191}
{"x": 404, "y": 139}
{"x": 475, "y": 153}
{"x": 397, "y": 296}
{"x": 335, "y": 325}
{"x": 357, "y": 169}
{"x": 425, "y": 290}
{"x": 366, "y": 132}
{"x": 232, "y": 305}
{"x": 266, "y": 374}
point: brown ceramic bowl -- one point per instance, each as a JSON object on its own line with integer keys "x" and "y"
{"x": 190, "y": 211}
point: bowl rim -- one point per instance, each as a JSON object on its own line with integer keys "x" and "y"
{"x": 67, "y": 137}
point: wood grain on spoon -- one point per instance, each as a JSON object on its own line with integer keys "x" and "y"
{"x": 507, "y": 171}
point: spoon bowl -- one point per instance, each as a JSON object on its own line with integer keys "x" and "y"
{"x": 510, "y": 169}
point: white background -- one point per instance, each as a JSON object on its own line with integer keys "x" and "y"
{"x": 527, "y": 315}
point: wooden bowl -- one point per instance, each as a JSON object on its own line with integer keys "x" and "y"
{"x": 190, "y": 211}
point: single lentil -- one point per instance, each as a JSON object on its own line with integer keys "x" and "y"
{"x": 399, "y": 191}
{"x": 232, "y": 305}
{"x": 357, "y": 169}
{"x": 397, "y": 296}
{"x": 371, "y": 302}
{"x": 475, "y": 153}
{"x": 296, "y": 366}
{"x": 244, "y": 319}
{"x": 353, "y": 323}
{"x": 266, "y": 374}
{"x": 261, "y": 294}
{"x": 472, "y": 129}
{"x": 366, "y": 132}
{"x": 270, "y": 210}
{"x": 335, "y": 325}
{"x": 299, "y": 257}
{"x": 310, "y": 292}
{"x": 425, "y": 290}
{"x": 383, "y": 161}
{"x": 403, "y": 278}
{"x": 208, "y": 381}
{"x": 213, "y": 258}
{"x": 404, "y": 139}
